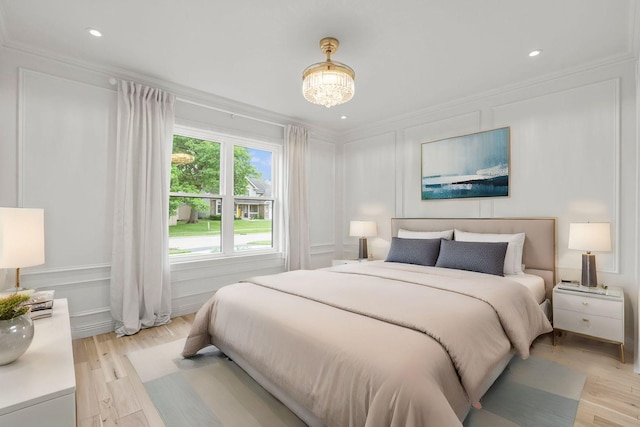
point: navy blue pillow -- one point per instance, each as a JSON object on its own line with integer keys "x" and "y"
{"x": 483, "y": 257}
{"x": 414, "y": 251}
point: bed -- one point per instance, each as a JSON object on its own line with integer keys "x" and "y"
{"x": 385, "y": 343}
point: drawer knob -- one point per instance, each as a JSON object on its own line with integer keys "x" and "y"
{"x": 585, "y": 303}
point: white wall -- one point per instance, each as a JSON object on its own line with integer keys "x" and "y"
{"x": 322, "y": 202}
{"x": 573, "y": 147}
{"x": 57, "y": 134}
{"x": 573, "y": 156}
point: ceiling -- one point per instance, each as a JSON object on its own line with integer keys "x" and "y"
{"x": 408, "y": 55}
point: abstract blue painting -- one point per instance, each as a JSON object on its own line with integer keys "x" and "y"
{"x": 475, "y": 165}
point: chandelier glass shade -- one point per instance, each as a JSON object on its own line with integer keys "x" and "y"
{"x": 328, "y": 83}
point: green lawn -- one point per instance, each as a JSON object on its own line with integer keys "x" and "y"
{"x": 210, "y": 227}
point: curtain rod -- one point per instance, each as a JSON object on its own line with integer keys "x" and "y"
{"x": 113, "y": 81}
{"x": 188, "y": 101}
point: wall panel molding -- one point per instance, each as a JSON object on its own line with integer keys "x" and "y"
{"x": 187, "y": 94}
{"x": 323, "y": 248}
{"x": 68, "y": 276}
{"x": 443, "y": 110}
{"x": 400, "y": 146}
{"x": 64, "y": 135}
{"x": 23, "y": 76}
{"x": 597, "y": 101}
{"x": 87, "y": 287}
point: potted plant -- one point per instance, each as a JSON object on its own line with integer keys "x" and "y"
{"x": 16, "y": 327}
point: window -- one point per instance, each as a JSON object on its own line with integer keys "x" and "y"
{"x": 223, "y": 197}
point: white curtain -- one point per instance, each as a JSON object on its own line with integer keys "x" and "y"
{"x": 296, "y": 149}
{"x": 140, "y": 280}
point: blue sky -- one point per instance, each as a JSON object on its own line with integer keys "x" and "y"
{"x": 262, "y": 161}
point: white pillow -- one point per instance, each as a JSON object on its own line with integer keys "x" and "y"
{"x": 408, "y": 234}
{"x": 513, "y": 257}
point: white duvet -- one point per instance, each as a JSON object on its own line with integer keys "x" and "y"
{"x": 374, "y": 344}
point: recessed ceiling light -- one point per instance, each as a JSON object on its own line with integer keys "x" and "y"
{"x": 94, "y": 32}
{"x": 535, "y": 52}
{"x": 343, "y": 117}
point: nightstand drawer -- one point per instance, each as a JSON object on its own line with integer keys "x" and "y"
{"x": 587, "y": 324}
{"x": 588, "y": 305}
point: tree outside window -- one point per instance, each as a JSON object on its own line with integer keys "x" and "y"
{"x": 197, "y": 194}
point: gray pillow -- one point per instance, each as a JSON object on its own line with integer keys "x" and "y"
{"x": 414, "y": 251}
{"x": 483, "y": 257}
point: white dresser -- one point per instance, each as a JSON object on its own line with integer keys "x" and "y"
{"x": 594, "y": 313}
{"x": 39, "y": 389}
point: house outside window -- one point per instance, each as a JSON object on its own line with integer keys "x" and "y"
{"x": 224, "y": 195}
{"x": 258, "y": 208}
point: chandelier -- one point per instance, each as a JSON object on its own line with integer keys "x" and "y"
{"x": 182, "y": 158}
{"x": 328, "y": 83}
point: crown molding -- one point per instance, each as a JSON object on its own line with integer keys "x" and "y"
{"x": 398, "y": 122}
{"x": 187, "y": 93}
{"x": 248, "y": 111}
{"x": 231, "y": 106}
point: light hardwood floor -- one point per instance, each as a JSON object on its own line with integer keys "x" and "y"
{"x": 109, "y": 392}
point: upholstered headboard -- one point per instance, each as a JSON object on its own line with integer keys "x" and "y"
{"x": 539, "y": 253}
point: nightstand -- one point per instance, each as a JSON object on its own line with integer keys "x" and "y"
{"x": 40, "y": 387}
{"x": 591, "y": 312}
{"x": 346, "y": 261}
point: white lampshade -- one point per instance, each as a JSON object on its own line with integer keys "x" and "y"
{"x": 21, "y": 237}
{"x": 590, "y": 236}
{"x": 363, "y": 229}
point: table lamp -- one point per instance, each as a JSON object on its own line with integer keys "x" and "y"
{"x": 590, "y": 236}
{"x": 362, "y": 229}
{"x": 21, "y": 239}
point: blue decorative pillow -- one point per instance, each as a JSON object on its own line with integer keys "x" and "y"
{"x": 414, "y": 251}
{"x": 483, "y": 257}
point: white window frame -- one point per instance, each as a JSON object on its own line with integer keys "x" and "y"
{"x": 227, "y": 142}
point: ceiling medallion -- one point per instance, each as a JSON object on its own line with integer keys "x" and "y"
{"x": 328, "y": 83}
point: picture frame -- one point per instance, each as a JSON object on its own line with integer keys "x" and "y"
{"x": 476, "y": 165}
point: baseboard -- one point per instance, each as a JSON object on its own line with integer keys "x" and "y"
{"x": 84, "y": 329}
{"x": 91, "y": 329}
{"x": 186, "y": 309}
{"x": 87, "y": 288}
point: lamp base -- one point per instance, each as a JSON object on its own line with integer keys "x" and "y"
{"x": 17, "y": 289}
{"x": 362, "y": 249}
{"x": 589, "y": 276}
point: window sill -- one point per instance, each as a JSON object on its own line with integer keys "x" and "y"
{"x": 190, "y": 262}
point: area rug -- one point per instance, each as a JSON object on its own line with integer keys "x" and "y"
{"x": 533, "y": 392}
{"x": 210, "y": 390}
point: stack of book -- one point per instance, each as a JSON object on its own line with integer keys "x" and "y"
{"x": 41, "y": 304}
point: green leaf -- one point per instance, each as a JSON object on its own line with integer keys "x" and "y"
{"x": 13, "y": 306}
